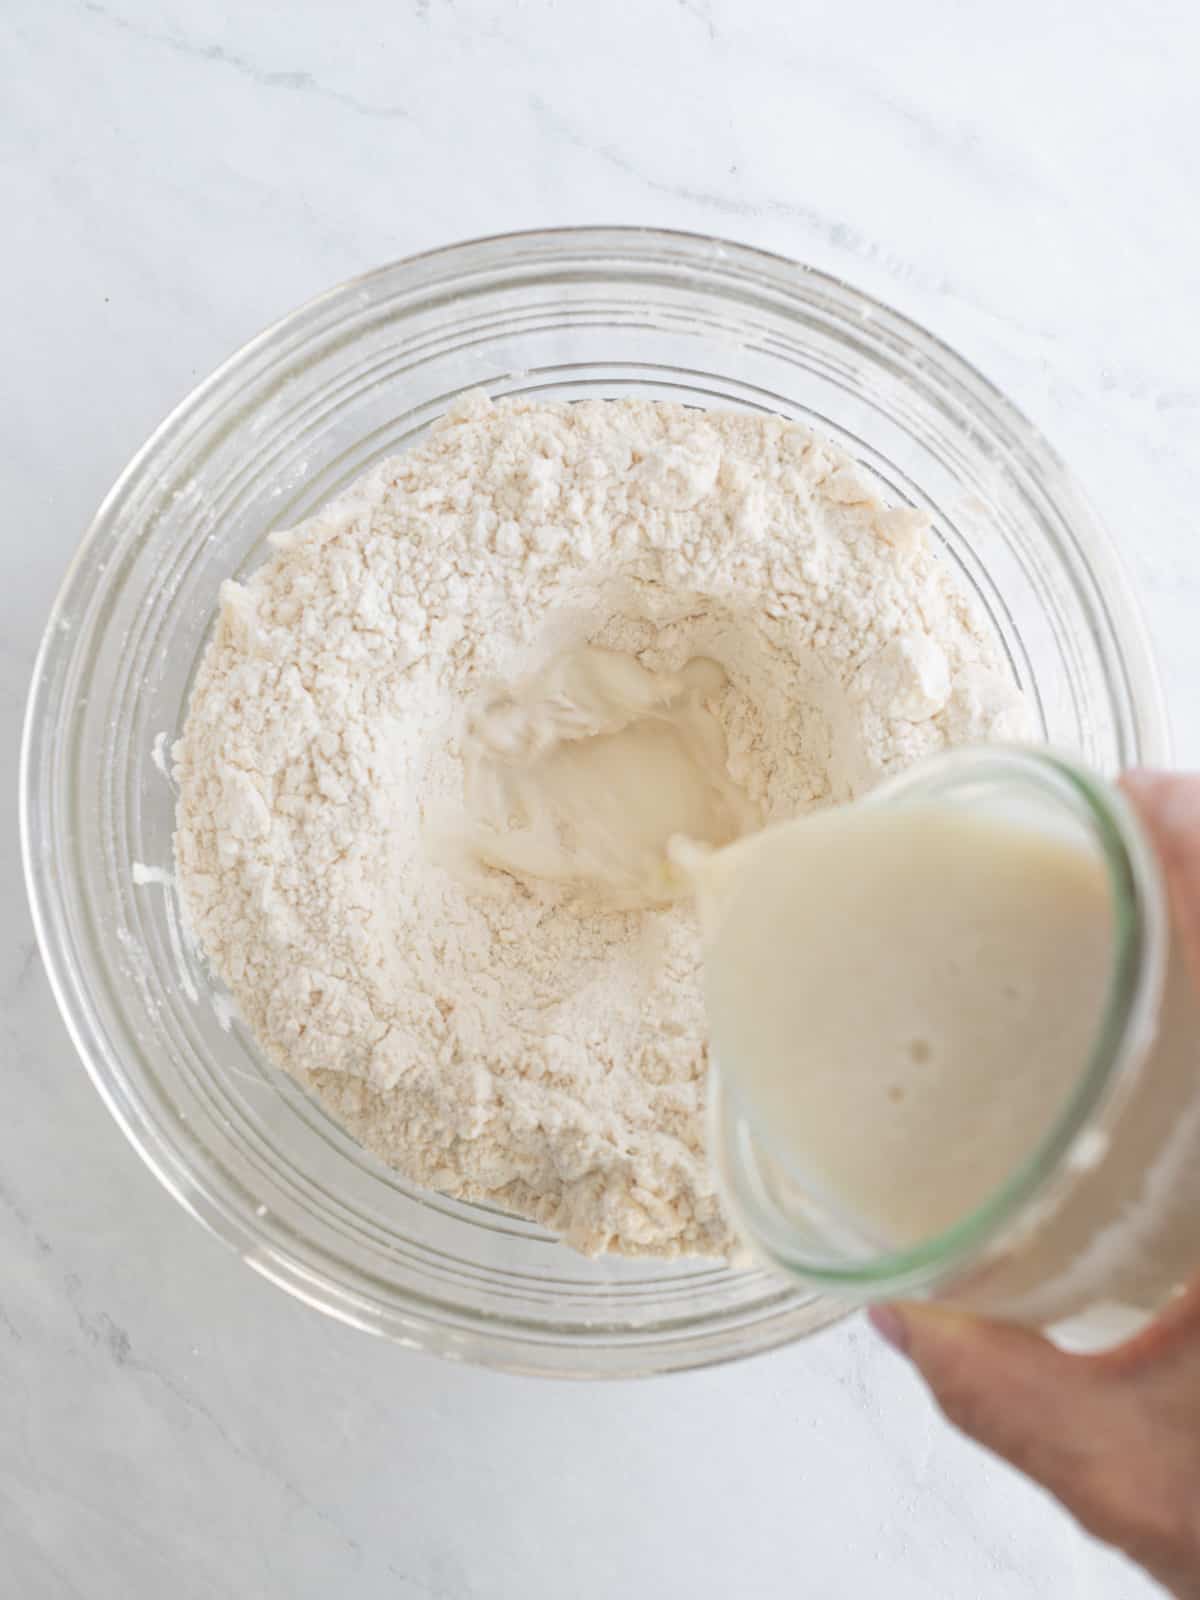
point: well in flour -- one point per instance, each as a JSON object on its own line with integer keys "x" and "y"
{"x": 493, "y": 1036}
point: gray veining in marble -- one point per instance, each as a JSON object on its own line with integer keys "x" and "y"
{"x": 1022, "y": 180}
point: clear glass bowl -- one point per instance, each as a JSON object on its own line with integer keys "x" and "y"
{"x": 279, "y": 429}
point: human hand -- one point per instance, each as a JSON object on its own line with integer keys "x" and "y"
{"x": 1116, "y": 1436}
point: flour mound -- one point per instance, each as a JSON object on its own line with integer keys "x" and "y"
{"x": 509, "y": 1041}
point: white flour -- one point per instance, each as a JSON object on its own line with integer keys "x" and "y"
{"x": 492, "y": 1038}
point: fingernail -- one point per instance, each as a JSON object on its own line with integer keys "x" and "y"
{"x": 1144, "y": 788}
{"x": 890, "y": 1326}
{"x": 1140, "y": 779}
{"x": 1167, "y": 800}
{"x": 1179, "y": 807}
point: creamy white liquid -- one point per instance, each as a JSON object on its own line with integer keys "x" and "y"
{"x": 904, "y": 998}
{"x": 582, "y": 775}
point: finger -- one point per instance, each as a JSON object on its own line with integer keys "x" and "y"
{"x": 1115, "y": 1452}
{"x": 1169, "y": 807}
{"x": 1008, "y": 1388}
{"x": 1173, "y": 1335}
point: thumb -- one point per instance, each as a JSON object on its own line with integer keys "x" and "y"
{"x": 1007, "y": 1387}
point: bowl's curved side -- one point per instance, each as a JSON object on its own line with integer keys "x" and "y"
{"x": 277, "y": 430}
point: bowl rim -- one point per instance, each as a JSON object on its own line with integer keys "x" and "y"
{"x": 660, "y": 1347}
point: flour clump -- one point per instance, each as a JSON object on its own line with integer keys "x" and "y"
{"x": 505, "y": 1035}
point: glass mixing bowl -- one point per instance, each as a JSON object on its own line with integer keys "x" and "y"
{"x": 284, "y": 425}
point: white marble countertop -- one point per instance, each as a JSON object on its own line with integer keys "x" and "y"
{"x": 176, "y": 175}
